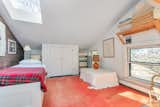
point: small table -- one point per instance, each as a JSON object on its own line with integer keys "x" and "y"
{"x": 99, "y": 78}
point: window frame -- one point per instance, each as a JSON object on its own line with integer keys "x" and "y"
{"x": 2, "y": 39}
{"x": 129, "y": 57}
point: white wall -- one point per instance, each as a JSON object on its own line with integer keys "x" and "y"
{"x": 115, "y": 63}
{"x": 119, "y": 62}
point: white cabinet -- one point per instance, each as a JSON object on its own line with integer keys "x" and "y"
{"x": 60, "y": 59}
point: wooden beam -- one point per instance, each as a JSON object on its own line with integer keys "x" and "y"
{"x": 158, "y": 1}
{"x": 137, "y": 29}
{"x": 157, "y": 24}
{"x": 153, "y": 24}
{"x": 122, "y": 39}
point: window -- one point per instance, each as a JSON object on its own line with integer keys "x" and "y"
{"x": 26, "y": 5}
{"x": 24, "y": 10}
{"x": 2, "y": 39}
{"x": 144, "y": 62}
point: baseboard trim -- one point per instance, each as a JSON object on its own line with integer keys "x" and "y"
{"x": 134, "y": 86}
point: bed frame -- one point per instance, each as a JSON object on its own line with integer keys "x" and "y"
{"x": 23, "y": 95}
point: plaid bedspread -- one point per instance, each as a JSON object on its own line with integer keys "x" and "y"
{"x": 13, "y": 76}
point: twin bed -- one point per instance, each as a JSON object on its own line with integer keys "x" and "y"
{"x": 23, "y": 85}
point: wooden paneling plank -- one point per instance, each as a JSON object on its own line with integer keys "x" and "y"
{"x": 137, "y": 29}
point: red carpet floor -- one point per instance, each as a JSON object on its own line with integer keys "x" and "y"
{"x": 70, "y": 91}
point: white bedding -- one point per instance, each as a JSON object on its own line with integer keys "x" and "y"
{"x": 99, "y": 79}
{"x": 29, "y": 66}
{"x": 29, "y": 63}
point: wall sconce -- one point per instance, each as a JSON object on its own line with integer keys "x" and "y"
{"x": 27, "y": 48}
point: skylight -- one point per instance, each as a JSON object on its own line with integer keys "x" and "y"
{"x": 26, "y": 5}
{"x": 24, "y": 10}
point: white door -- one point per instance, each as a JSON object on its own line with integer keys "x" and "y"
{"x": 75, "y": 56}
{"x": 56, "y": 61}
{"x": 67, "y": 60}
{"x": 52, "y": 59}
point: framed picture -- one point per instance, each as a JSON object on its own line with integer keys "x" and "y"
{"x": 108, "y": 48}
{"x": 12, "y": 47}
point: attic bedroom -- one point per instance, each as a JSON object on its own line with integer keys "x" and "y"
{"x": 79, "y": 53}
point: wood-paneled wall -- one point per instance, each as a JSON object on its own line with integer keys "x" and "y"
{"x": 10, "y": 60}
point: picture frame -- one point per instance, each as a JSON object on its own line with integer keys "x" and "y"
{"x": 108, "y": 48}
{"x": 12, "y": 47}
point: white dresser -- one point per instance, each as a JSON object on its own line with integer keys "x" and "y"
{"x": 99, "y": 78}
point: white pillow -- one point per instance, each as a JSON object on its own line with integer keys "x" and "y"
{"x": 30, "y": 61}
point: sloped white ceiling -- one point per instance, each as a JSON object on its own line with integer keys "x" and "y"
{"x": 79, "y": 22}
